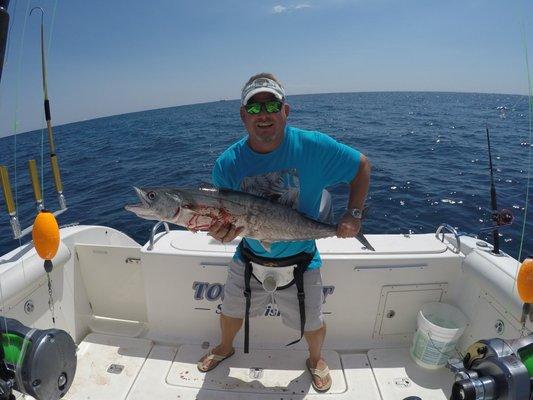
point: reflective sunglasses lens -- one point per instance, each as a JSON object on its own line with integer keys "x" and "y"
{"x": 253, "y": 108}
{"x": 273, "y": 106}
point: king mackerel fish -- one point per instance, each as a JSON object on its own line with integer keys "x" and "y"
{"x": 197, "y": 209}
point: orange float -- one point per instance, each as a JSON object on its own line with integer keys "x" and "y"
{"x": 524, "y": 281}
{"x": 45, "y": 236}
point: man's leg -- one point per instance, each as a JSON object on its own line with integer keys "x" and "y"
{"x": 315, "y": 328}
{"x": 315, "y": 340}
{"x": 229, "y": 327}
{"x": 234, "y": 304}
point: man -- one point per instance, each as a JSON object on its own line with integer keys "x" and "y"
{"x": 291, "y": 166}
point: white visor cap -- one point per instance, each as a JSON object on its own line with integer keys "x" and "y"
{"x": 260, "y": 85}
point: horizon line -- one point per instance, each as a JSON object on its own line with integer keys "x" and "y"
{"x": 289, "y": 96}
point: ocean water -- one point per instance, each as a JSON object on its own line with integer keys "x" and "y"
{"x": 428, "y": 151}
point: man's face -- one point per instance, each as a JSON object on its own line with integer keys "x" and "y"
{"x": 265, "y": 129}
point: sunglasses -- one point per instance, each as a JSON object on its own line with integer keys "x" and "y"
{"x": 270, "y": 107}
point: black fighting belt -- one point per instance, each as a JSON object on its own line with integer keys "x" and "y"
{"x": 301, "y": 260}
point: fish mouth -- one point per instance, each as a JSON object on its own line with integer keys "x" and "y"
{"x": 176, "y": 214}
{"x": 141, "y": 211}
{"x": 138, "y": 209}
{"x": 142, "y": 197}
{"x": 143, "y": 208}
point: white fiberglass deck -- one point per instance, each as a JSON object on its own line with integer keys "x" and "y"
{"x": 114, "y": 367}
{"x": 142, "y": 317}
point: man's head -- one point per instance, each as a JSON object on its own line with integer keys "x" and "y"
{"x": 264, "y": 112}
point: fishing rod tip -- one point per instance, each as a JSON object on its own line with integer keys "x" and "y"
{"x": 35, "y": 8}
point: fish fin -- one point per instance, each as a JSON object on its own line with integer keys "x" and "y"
{"x": 266, "y": 245}
{"x": 364, "y": 242}
{"x": 289, "y": 198}
{"x": 206, "y": 185}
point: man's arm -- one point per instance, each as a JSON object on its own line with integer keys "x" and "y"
{"x": 348, "y": 225}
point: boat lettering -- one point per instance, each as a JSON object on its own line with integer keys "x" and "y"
{"x": 327, "y": 290}
{"x": 211, "y": 291}
{"x": 215, "y": 291}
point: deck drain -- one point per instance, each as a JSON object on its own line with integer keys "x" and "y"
{"x": 499, "y": 326}
{"x": 115, "y": 369}
{"x": 402, "y": 382}
{"x": 29, "y": 307}
{"x": 256, "y": 373}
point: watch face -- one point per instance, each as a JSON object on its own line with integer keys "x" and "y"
{"x": 356, "y": 213}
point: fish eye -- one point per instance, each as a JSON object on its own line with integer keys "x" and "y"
{"x": 150, "y": 195}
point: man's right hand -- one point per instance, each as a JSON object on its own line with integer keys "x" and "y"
{"x": 224, "y": 232}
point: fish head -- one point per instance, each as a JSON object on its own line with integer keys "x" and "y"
{"x": 157, "y": 204}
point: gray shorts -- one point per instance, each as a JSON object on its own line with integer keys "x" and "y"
{"x": 234, "y": 303}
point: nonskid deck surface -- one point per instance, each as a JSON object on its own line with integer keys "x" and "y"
{"x": 107, "y": 366}
{"x": 114, "y": 367}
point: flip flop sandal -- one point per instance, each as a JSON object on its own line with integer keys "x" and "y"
{"x": 212, "y": 357}
{"x": 320, "y": 373}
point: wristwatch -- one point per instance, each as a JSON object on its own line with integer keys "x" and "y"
{"x": 355, "y": 212}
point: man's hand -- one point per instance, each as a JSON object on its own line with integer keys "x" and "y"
{"x": 224, "y": 232}
{"x": 348, "y": 226}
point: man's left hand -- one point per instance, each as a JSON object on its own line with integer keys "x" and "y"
{"x": 348, "y": 226}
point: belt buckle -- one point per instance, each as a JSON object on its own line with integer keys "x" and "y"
{"x": 270, "y": 264}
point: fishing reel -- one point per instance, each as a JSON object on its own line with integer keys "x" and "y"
{"x": 494, "y": 369}
{"x": 500, "y": 219}
{"x": 39, "y": 363}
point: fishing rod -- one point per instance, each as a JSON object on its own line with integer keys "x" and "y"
{"x": 53, "y": 156}
{"x": 26, "y": 354}
{"x": 4, "y": 176}
{"x": 499, "y": 218}
{"x": 4, "y": 24}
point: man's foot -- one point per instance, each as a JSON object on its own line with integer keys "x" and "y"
{"x": 213, "y": 358}
{"x": 320, "y": 377}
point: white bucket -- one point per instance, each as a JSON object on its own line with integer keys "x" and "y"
{"x": 440, "y": 326}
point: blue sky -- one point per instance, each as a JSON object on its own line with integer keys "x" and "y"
{"x": 114, "y": 57}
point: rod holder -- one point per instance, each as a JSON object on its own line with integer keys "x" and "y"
{"x": 15, "y": 226}
{"x": 37, "y": 193}
{"x": 62, "y": 201}
{"x": 8, "y": 197}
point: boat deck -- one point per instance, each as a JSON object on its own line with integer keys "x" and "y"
{"x": 140, "y": 317}
{"x": 115, "y": 367}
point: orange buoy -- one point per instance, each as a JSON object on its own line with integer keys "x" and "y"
{"x": 524, "y": 281}
{"x": 45, "y": 236}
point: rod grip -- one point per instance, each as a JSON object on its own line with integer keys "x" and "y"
{"x": 32, "y": 165}
{"x": 55, "y": 171}
{"x": 47, "y": 113}
{"x": 8, "y": 196}
{"x": 51, "y": 137}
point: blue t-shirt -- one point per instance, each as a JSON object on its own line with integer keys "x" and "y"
{"x": 294, "y": 174}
